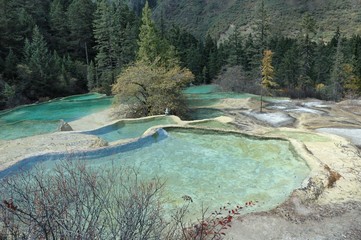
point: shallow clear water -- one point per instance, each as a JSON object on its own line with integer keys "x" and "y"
{"x": 204, "y": 113}
{"x": 202, "y": 89}
{"x": 215, "y": 169}
{"x": 41, "y": 118}
{"x": 81, "y": 97}
{"x": 55, "y": 110}
{"x": 208, "y": 95}
{"x": 130, "y": 128}
{"x": 28, "y": 128}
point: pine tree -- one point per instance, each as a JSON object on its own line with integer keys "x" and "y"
{"x": 250, "y": 60}
{"x": 235, "y": 49}
{"x": 194, "y": 62}
{"x": 37, "y": 62}
{"x": 148, "y": 40}
{"x": 355, "y": 54}
{"x": 80, "y": 22}
{"x": 10, "y": 67}
{"x": 152, "y": 48}
{"x": 306, "y": 79}
{"x": 91, "y": 77}
{"x": 323, "y": 59}
{"x": 262, "y": 26}
{"x": 337, "y": 79}
{"x": 335, "y": 38}
{"x": 289, "y": 69}
{"x": 210, "y": 69}
{"x": 114, "y": 33}
{"x": 155, "y": 81}
{"x": 15, "y": 25}
{"x": 308, "y": 25}
{"x": 58, "y": 26}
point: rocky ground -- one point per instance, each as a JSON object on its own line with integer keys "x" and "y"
{"x": 327, "y": 208}
{"x": 299, "y": 222}
{"x": 329, "y": 204}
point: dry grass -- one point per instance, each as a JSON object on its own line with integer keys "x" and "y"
{"x": 332, "y": 177}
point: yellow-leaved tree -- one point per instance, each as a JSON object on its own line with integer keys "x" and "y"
{"x": 267, "y": 73}
{"x": 149, "y": 90}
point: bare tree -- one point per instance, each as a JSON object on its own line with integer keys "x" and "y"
{"x": 235, "y": 79}
{"x": 77, "y": 202}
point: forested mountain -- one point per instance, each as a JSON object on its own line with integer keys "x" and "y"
{"x": 52, "y": 48}
{"x": 215, "y": 17}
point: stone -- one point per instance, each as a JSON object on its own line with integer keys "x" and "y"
{"x": 64, "y": 126}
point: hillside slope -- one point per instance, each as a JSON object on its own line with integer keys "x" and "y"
{"x": 201, "y": 17}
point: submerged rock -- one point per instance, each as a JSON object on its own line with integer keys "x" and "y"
{"x": 275, "y": 119}
{"x": 64, "y": 126}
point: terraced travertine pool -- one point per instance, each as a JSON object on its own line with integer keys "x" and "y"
{"x": 216, "y": 169}
{"x": 30, "y": 120}
{"x": 213, "y": 167}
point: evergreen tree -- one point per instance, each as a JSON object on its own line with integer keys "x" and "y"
{"x": 138, "y": 5}
{"x": 337, "y": 78}
{"x": 15, "y": 25}
{"x": 35, "y": 67}
{"x": 306, "y": 79}
{"x": 58, "y": 26}
{"x": 251, "y": 61}
{"x": 355, "y": 54}
{"x": 155, "y": 82}
{"x": 80, "y": 22}
{"x": 289, "y": 69}
{"x": 91, "y": 77}
{"x": 10, "y": 67}
{"x": 114, "y": 32}
{"x": 235, "y": 49}
{"x": 189, "y": 49}
{"x": 194, "y": 62}
{"x": 262, "y": 26}
{"x": 148, "y": 39}
{"x": 152, "y": 48}
{"x": 323, "y": 62}
{"x": 210, "y": 70}
{"x": 308, "y": 25}
{"x": 335, "y": 38}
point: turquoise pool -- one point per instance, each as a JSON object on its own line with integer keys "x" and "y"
{"x": 204, "y": 113}
{"x": 9, "y": 131}
{"x": 41, "y": 118}
{"x": 208, "y": 95}
{"x": 213, "y": 168}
